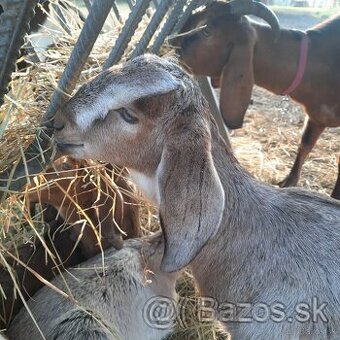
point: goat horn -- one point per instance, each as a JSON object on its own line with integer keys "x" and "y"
{"x": 244, "y": 7}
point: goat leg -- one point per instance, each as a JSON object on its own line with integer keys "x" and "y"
{"x": 311, "y": 133}
{"x": 336, "y": 192}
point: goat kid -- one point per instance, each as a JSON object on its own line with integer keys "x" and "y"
{"x": 104, "y": 302}
{"x": 98, "y": 209}
{"x": 221, "y": 42}
{"x": 245, "y": 241}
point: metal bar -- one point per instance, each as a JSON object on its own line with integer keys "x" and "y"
{"x": 156, "y": 3}
{"x": 116, "y": 12}
{"x": 38, "y": 154}
{"x": 130, "y": 3}
{"x": 14, "y": 24}
{"x": 169, "y": 25}
{"x": 88, "y": 4}
{"x": 192, "y": 5}
{"x": 92, "y": 27}
{"x": 61, "y": 18}
{"x": 127, "y": 32}
{"x": 152, "y": 27}
{"x": 210, "y": 95}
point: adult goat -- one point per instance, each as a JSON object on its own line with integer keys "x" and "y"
{"x": 221, "y": 42}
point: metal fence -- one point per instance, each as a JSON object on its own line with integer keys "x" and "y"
{"x": 165, "y": 18}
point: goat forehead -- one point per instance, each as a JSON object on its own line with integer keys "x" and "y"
{"x": 122, "y": 85}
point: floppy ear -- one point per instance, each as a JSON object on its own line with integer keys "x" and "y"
{"x": 191, "y": 199}
{"x": 237, "y": 80}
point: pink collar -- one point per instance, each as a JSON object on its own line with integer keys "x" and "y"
{"x": 301, "y": 66}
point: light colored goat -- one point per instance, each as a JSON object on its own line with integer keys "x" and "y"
{"x": 104, "y": 203}
{"x": 245, "y": 241}
{"x": 117, "y": 301}
{"x": 221, "y": 42}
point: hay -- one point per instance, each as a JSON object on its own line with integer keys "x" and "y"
{"x": 266, "y": 146}
{"x": 268, "y": 143}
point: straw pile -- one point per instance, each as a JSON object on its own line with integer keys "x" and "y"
{"x": 266, "y": 146}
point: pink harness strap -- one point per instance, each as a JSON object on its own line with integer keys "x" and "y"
{"x": 301, "y": 66}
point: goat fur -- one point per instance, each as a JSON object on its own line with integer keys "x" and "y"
{"x": 106, "y": 204}
{"x": 106, "y": 300}
{"x": 65, "y": 253}
{"x": 245, "y": 241}
{"x": 238, "y": 52}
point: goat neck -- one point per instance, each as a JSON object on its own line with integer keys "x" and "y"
{"x": 275, "y": 63}
{"x": 243, "y": 197}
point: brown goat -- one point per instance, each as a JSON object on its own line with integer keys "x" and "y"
{"x": 237, "y": 52}
{"x": 74, "y": 193}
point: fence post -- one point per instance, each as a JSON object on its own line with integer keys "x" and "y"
{"x": 210, "y": 96}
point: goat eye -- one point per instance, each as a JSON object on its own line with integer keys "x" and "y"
{"x": 206, "y": 31}
{"x": 127, "y": 116}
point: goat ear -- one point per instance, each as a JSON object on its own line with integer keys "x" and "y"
{"x": 237, "y": 80}
{"x": 191, "y": 200}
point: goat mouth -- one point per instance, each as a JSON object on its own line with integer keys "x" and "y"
{"x": 63, "y": 147}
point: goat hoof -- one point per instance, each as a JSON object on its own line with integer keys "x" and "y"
{"x": 288, "y": 182}
{"x": 336, "y": 196}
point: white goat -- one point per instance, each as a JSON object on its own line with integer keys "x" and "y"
{"x": 118, "y": 302}
{"x": 248, "y": 244}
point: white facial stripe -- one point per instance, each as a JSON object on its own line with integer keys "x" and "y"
{"x": 120, "y": 95}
